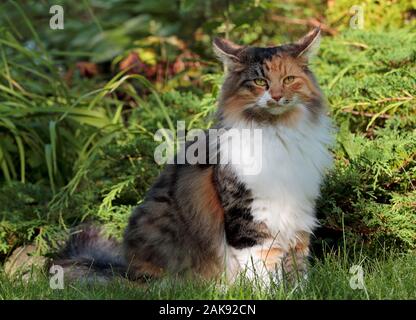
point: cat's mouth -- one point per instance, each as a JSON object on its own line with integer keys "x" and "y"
{"x": 281, "y": 106}
{"x": 283, "y": 102}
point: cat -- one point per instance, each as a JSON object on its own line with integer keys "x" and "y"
{"x": 215, "y": 219}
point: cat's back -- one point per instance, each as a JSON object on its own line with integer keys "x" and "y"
{"x": 179, "y": 225}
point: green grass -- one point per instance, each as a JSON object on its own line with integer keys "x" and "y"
{"x": 390, "y": 276}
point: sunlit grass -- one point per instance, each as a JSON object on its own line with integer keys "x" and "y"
{"x": 389, "y": 277}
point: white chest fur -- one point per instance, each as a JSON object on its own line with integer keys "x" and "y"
{"x": 288, "y": 166}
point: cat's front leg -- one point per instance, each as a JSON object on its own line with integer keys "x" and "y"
{"x": 261, "y": 264}
{"x": 268, "y": 263}
{"x": 295, "y": 261}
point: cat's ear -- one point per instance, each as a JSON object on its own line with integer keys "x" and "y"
{"x": 227, "y": 52}
{"x": 308, "y": 46}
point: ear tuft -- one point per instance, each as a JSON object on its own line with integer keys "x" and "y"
{"x": 227, "y": 51}
{"x": 309, "y": 44}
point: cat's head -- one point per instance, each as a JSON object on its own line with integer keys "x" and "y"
{"x": 269, "y": 84}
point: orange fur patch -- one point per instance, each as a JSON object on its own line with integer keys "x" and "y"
{"x": 303, "y": 242}
{"x": 208, "y": 198}
{"x": 271, "y": 257}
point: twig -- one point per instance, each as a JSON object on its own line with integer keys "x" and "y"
{"x": 312, "y": 22}
{"x": 355, "y": 44}
{"x": 366, "y": 114}
{"x": 349, "y": 107}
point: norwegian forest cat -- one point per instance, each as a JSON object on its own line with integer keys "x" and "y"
{"x": 212, "y": 220}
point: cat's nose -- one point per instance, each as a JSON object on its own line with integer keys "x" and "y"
{"x": 276, "y": 97}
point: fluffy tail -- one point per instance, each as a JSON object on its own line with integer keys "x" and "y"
{"x": 89, "y": 256}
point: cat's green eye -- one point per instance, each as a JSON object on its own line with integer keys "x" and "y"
{"x": 288, "y": 79}
{"x": 260, "y": 82}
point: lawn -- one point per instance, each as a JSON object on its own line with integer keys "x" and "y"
{"x": 391, "y": 276}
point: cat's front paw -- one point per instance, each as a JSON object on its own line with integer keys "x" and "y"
{"x": 295, "y": 269}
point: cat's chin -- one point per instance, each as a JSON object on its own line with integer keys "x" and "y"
{"x": 278, "y": 110}
{"x": 273, "y": 115}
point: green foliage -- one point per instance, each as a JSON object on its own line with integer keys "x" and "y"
{"x": 41, "y": 116}
{"x": 368, "y": 78}
{"x": 370, "y": 194}
{"x": 104, "y": 30}
{"x": 381, "y": 15}
{"x": 371, "y": 74}
{"x": 23, "y": 214}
